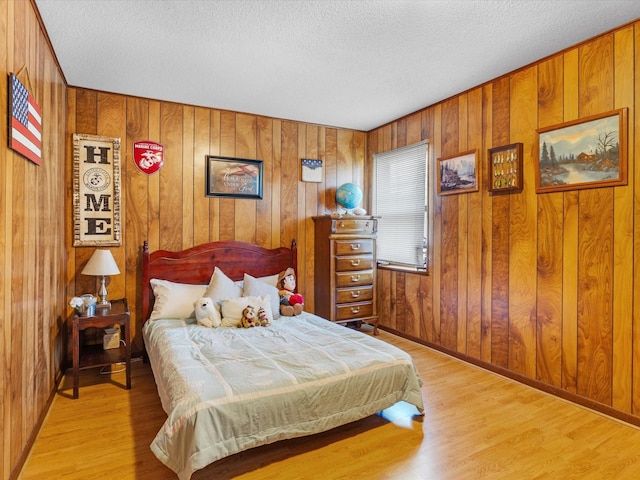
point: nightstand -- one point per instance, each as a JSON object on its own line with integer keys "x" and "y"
{"x": 89, "y": 356}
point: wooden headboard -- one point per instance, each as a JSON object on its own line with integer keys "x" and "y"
{"x": 195, "y": 265}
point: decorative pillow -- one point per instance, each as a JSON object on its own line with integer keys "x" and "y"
{"x": 221, "y": 287}
{"x": 174, "y": 300}
{"x": 270, "y": 279}
{"x": 257, "y": 287}
{"x": 232, "y": 309}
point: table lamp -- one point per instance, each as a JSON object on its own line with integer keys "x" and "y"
{"x": 101, "y": 264}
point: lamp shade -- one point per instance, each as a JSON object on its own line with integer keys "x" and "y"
{"x": 101, "y": 263}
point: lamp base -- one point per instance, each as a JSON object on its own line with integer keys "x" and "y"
{"x": 102, "y": 293}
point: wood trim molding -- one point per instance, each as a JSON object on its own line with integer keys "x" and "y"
{"x": 531, "y": 382}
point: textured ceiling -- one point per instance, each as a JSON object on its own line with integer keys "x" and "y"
{"x": 345, "y": 63}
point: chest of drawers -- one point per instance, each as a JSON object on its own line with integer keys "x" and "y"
{"x": 345, "y": 269}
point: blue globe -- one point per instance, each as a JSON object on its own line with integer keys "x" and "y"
{"x": 349, "y": 196}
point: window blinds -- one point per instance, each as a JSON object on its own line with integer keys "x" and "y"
{"x": 399, "y": 195}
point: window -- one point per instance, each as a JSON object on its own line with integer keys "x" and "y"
{"x": 399, "y": 198}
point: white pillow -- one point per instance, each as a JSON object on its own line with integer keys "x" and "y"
{"x": 232, "y": 309}
{"x": 257, "y": 287}
{"x": 221, "y": 287}
{"x": 174, "y": 300}
{"x": 270, "y": 279}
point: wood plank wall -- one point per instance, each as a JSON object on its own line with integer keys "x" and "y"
{"x": 32, "y": 239}
{"x": 540, "y": 287}
{"x": 169, "y": 208}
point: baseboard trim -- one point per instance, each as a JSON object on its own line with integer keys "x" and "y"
{"x": 531, "y": 382}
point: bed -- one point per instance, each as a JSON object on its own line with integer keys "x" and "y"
{"x": 226, "y": 390}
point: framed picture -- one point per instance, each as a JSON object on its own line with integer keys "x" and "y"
{"x": 587, "y": 153}
{"x": 458, "y": 173}
{"x": 311, "y": 170}
{"x": 96, "y": 191}
{"x": 233, "y": 177}
{"x": 505, "y": 168}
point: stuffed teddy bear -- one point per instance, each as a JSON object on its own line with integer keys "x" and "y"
{"x": 248, "y": 317}
{"x": 291, "y": 303}
{"x": 206, "y": 313}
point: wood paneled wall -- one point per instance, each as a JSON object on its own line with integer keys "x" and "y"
{"x": 170, "y": 209}
{"x": 539, "y": 287}
{"x": 32, "y": 240}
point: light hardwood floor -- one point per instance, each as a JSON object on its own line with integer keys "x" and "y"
{"x": 477, "y": 425}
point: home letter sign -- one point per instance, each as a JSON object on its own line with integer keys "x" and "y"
{"x": 96, "y": 191}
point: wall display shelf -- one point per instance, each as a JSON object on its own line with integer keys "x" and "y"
{"x": 505, "y": 168}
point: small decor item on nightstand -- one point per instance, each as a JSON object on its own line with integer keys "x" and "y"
{"x": 89, "y": 302}
{"x": 111, "y": 338}
{"x": 85, "y": 306}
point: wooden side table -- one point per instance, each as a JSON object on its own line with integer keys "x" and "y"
{"x": 95, "y": 355}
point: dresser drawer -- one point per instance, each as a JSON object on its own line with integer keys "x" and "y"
{"x": 352, "y": 279}
{"x": 358, "y": 294}
{"x": 354, "y": 225}
{"x": 355, "y": 246}
{"x": 354, "y": 310}
{"x": 358, "y": 262}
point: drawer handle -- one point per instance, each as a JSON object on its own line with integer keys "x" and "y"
{"x": 355, "y": 309}
{"x": 341, "y": 224}
{"x": 355, "y": 293}
{"x": 355, "y": 263}
{"x": 355, "y": 246}
{"x": 355, "y": 278}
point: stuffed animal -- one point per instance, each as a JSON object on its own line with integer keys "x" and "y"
{"x": 291, "y": 303}
{"x": 249, "y": 317}
{"x": 206, "y": 313}
{"x": 263, "y": 319}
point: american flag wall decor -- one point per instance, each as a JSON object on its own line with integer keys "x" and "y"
{"x": 311, "y": 170}
{"x": 25, "y": 132}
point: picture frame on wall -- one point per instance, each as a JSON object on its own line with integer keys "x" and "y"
{"x": 311, "y": 170}
{"x": 96, "y": 191}
{"x": 233, "y": 177}
{"x": 590, "y": 152}
{"x": 458, "y": 173}
{"x": 505, "y": 168}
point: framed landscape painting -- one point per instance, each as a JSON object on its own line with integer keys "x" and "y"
{"x": 587, "y": 153}
{"x": 458, "y": 173}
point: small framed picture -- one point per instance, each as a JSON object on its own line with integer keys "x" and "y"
{"x": 233, "y": 177}
{"x": 458, "y": 173}
{"x": 505, "y": 168}
{"x": 311, "y": 170}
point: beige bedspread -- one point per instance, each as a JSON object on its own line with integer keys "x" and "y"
{"x": 226, "y": 390}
